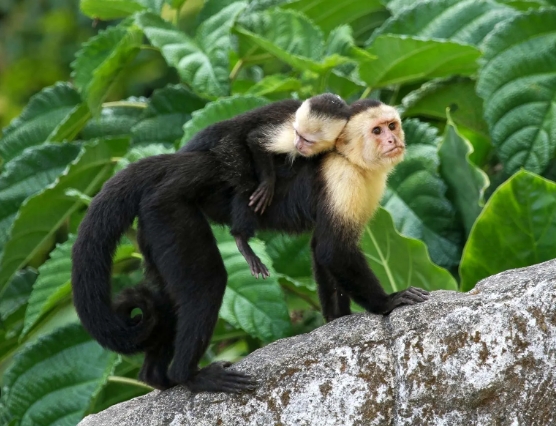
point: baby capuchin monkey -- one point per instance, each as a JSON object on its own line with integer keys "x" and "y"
{"x": 246, "y": 145}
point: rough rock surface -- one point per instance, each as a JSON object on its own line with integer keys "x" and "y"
{"x": 486, "y": 357}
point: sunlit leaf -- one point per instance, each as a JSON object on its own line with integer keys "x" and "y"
{"x": 515, "y": 229}
{"x": 400, "y": 262}
{"x": 518, "y": 84}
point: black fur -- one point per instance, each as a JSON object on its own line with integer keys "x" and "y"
{"x": 363, "y": 104}
{"x": 329, "y": 105}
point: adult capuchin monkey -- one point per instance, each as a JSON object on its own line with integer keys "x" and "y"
{"x": 246, "y": 144}
{"x": 333, "y": 194}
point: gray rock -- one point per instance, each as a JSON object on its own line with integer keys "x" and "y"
{"x": 486, "y": 357}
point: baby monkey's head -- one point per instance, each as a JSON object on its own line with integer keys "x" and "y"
{"x": 318, "y": 123}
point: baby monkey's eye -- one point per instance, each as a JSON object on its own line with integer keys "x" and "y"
{"x": 392, "y": 126}
{"x": 376, "y": 130}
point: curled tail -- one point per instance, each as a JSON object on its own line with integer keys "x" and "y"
{"x": 110, "y": 214}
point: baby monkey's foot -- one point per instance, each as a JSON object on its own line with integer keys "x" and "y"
{"x": 409, "y": 296}
{"x": 262, "y": 197}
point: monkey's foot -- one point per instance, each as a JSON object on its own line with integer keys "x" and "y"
{"x": 409, "y": 296}
{"x": 262, "y": 197}
{"x": 217, "y": 378}
{"x": 257, "y": 267}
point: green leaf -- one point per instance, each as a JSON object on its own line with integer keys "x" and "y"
{"x": 219, "y": 110}
{"x": 116, "y": 120}
{"x": 201, "y": 62}
{"x": 54, "y": 380}
{"x": 136, "y": 153}
{"x": 35, "y": 223}
{"x": 290, "y": 254}
{"x": 458, "y": 94}
{"x": 518, "y": 84}
{"x": 28, "y": 174}
{"x": 44, "y": 112}
{"x": 168, "y": 110}
{"x": 114, "y": 9}
{"x": 400, "y": 262}
{"x": 290, "y": 37}
{"x": 254, "y": 305}
{"x": 52, "y": 286}
{"x": 525, "y": 5}
{"x": 404, "y": 59}
{"x": 71, "y": 125}
{"x": 102, "y": 59}
{"x": 416, "y": 197}
{"x": 273, "y": 84}
{"x": 467, "y": 21}
{"x": 17, "y": 292}
{"x": 466, "y": 182}
{"x": 362, "y": 16}
{"x": 515, "y": 229}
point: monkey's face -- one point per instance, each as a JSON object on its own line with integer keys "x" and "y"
{"x": 315, "y": 133}
{"x": 374, "y": 138}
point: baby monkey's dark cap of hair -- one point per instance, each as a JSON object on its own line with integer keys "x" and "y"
{"x": 329, "y": 105}
{"x": 364, "y": 104}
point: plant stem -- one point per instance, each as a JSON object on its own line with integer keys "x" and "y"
{"x": 302, "y": 296}
{"x": 236, "y": 69}
{"x": 125, "y": 104}
{"x": 366, "y": 92}
{"x": 128, "y": 381}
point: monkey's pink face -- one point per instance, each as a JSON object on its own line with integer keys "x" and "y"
{"x": 388, "y": 136}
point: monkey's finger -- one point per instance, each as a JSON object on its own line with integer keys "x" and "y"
{"x": 416, "y": 294}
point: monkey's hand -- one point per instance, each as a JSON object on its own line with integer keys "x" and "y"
{"x": 262, "y": 197}
{"x": 217, "y": 378}
{"x": 409, "y": 296}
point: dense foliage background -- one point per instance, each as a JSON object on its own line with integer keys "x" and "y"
{"x": 475, "y": 81}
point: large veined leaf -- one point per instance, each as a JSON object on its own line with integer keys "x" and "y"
{"x": 219, "y": 110}
{"x": 524, "y": 5}
{"x": 54, "y": 380}
{"x": 202, "y": 62}
{"x": 28, "y": 174}
{"x": 115, "y": 120}
{"x": 139, "y": 152}
{"x": 53, "y": 284}
{"x": 416, "y": 198}
{"x": 404, "y": 59}
{"x": 273, "y": 84}
{"x": 400, "y": 262}
{"x": 34, "y": 223}
{"x": 101, "y": 60}
{"x": 518, "y": 84}
{"x": 466, "y": 182}
{"x": 467, "y": 21}
{"x": 167, "y": 111}
{"x": 361, "y": 16}
{"x": 17, "y": 292}
{"x": 290, "y": 254}
{"x": 458, "y": 94}
{"x": 291, "y": 37}
{"x": 114, "y": 9}
{"x": 255, "y": 305}
{"x": 515, "y": 229}
{"x": 38, "y": 120}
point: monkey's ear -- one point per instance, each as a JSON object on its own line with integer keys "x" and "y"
{"x": 341, "y": 140}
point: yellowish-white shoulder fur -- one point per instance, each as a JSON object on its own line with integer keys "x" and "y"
{"x": 281, "y": 138}
{"x": 353, "y": 193}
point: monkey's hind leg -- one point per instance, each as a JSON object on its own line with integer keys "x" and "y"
{"x": 187, "y": 258}
{"x": 244, "y": 223}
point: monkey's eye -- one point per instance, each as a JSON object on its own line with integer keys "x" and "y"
{"x": 392, "y": 126}
{"x": 376, "y": 130}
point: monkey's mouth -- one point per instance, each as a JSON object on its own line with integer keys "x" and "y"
{"x": 394, "y": 152}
